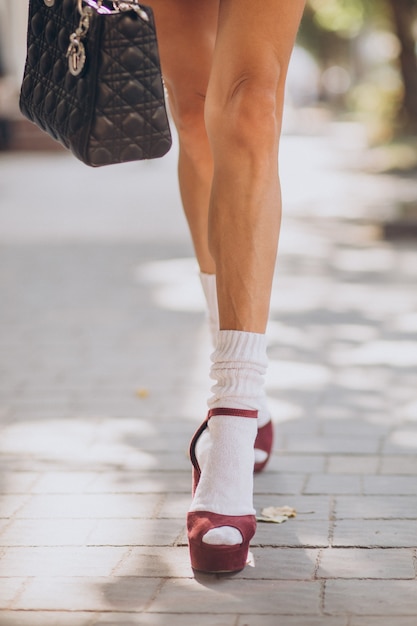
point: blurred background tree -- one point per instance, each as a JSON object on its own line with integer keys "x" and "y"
{"x": 367, "y": 54}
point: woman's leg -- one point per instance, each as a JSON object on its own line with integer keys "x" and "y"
{"x": 253, "y": 46}
{"x": 243, "y": 114}
{"x": 186, "y": 34}
{"x": 243, "y": 119}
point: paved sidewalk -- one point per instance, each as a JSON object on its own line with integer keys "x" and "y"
{"x": 103, "y": 379}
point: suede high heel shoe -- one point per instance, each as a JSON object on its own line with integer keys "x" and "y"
{"x": 208, "y": 558}
{"x": 264, "y": 441}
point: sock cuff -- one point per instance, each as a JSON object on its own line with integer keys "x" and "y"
{"x": 208, "y": 283}
{"x": 238, "y": 345}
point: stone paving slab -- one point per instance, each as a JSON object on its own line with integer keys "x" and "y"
{"x": 276, "y": 564}
{"x": 42, "y": 618}
{"x": 220, "y": 596}
{"x": 375, "y": 507}
{"x": 88, "y": 594}
{"x": 332, "y": 484}
{"x": 125, "y": 532}
{"x": 393, "y": 465}
{"x": 87, "y": 506}
{"x": 295, "y": 534}
{"x": 159, "y": 619}
{"x": 371, "y": 597}
{"x": 381, "y": 621}
{"x": 391, "y": 533}
{"x": 291, "y": 620}
{"x": 299, "y": 464}
{"x": 45, "y": 532}
{"x": 366, "y": 563}
{"x": 390, "y": 485}
{"x": 353, "y": 464}
{"x": 43, "y": 562}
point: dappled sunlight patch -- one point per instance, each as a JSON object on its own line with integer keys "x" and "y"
{"x": 77, "y": 441}
{"x": 362, "y": 260}
{"x": 296, "y": 374}
{"x": 175, "y": 284}
{"x": 409, "y": 411}
{"x": 390, "y": 353}
{"x": 380, "y": 419}
{"x": 386, "y": 300}
{"x": 285, "y": 335}
{"x": 408, "y": 262}
{"x": 363, "y": 563}
{"x": 356, "y": 333}
{"x": 406, "y": 323}
{"x": 54, "y": 438}
{"x": 301, "y": 296}
{"x": 283, "y": 411}
{"x": 294, "y": 241}
{"x": 335, "y": 411}
{"x": 404, "y": 439}
{"x": 359, "y": 378}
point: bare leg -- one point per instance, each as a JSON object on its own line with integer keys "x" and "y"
{"x": 186, "y": 34}
{"x": 241, "y": 73}
{"x": 243, "y": 117}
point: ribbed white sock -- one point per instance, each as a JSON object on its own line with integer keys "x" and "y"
{"x": 225, "y": 450}
{"x": 208, "y": 283}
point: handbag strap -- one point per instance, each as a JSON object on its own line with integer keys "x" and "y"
{"x": 102, "y": 6}
{"x": 116, "y": 6}
{"x": 76, "y": 53}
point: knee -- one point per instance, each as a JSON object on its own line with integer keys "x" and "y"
{"x": 247, "y": 117}
{"x": 188, "y": 114}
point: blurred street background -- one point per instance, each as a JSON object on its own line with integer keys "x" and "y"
{"x": 104, "y": 354}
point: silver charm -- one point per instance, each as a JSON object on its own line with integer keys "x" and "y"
{"x": 132, "y": 5}
{"x": 76, "y": 51}
{"x": 76, "y": 56}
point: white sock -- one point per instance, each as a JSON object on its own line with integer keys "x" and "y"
{"x": 225, "y": 450}
{"x": 208, "y": 282}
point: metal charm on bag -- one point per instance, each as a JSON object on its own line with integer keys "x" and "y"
{"x": 76, "y": 55}
{"x": 76, "y": 50}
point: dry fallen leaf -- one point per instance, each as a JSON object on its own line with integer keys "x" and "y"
{"x": 276, "y": 514}
{"x": 141, "y": 392}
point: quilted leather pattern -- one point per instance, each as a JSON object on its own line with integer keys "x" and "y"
{"x": 114, "y": 111}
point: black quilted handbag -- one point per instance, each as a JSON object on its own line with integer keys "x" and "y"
{"x": 92, "y": 79}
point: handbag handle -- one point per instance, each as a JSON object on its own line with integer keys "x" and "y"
{"x": 118, "y": 6}
{"x": 100, "y": 7}
{"x": 76, "y": 54}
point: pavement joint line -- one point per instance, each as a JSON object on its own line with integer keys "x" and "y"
{"x": 415, "y": 561}
{"x": 323, "y": 596}
{"x": 332, "y": 519}
{"x": 317, "y": 564}
{"x": 25, "y": 583}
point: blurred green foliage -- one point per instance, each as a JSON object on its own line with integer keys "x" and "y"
{"x": 374, "y": 42}
{"x": 345, "y": 17}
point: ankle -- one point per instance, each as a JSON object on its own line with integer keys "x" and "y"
{"x": 225, "y": 455}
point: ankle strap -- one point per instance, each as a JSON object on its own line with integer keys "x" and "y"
{"x": 232, "y": 413}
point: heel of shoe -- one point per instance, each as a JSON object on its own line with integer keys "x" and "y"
{"x": 264, "y": 441}
{"x": 195, "y": 477}
{"x": 213, "y": 559}
{"x": 218, "y": 559}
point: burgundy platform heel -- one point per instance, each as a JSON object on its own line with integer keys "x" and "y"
{"x": 216, "y": 559}
{"x": 264, "y": 441}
